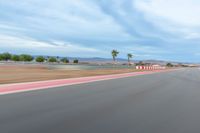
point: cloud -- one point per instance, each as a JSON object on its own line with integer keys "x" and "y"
{"x": 158, "y": 28}
{"x": 40, "y": 47}
{"x": 180, "y": 17}
{"x": 181, "y": 12}
{"x": 62, "y": 19}
{"x": 130, "y": 19}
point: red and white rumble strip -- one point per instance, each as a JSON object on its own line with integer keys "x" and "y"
{"x": 153, "y": 67}
{"x": 29, "y": 86}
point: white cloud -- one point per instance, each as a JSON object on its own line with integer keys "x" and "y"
{"x": 81, "y": 27}
{"x": 10, "y": 27}
{"x": 14, "y": 43}
{"x": 193, "y": 35}
{"x": 182, "y": 12}
{"x": 150, "y": 50}
{"x": 21, "y": 42}
{"x": 178, "y": 17}
{"x": 73, "y": 47}
{"x": 63, "y": 17}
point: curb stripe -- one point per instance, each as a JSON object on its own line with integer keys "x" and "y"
{"x": 30, "y": 86}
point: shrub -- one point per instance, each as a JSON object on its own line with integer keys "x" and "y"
{"x": 52, "y": 59}
{"x": 140, "y": 63}
{"x": 40, "y": 59}
{"x": 65, "y": 60}
{"x": 15, "y": 58}
{"x": 1, "y": 57}
{"x": 169, "y": 65}
{"x": 6, "y": 56}
{"x": 26, "y": 57}
{"x": 76, "y": 61}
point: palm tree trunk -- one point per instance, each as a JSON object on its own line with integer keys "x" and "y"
{"x": 114, "y": 59}
{"x": 128, "y": 61}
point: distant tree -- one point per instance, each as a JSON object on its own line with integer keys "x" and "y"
{"x": 129, "y": 57}
{"x": 65, "y": 60}
{"x": 15, "y": 58}
{"x": 114, "y": 54}
{"x": 76, "y": 61}
{"x": 52, "y": 59}
{"x": 140, "y": 63}
{"x": 40, "y": 59}
{"x": 169, "y": 65}
{"x": 1, "y": 57}
{"x": 25, "y": 57}
{"x": 6, "y": 56}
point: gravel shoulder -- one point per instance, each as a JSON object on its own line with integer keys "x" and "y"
{"x": 28, "y": 73}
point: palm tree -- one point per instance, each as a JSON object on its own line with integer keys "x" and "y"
{"x": 129, "y": 57}
{"x": 114, "y": 54}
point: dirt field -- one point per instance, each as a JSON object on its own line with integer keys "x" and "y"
{"x": 27, "y": 73}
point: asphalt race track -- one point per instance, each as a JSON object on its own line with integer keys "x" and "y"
{"x": 166, "y": 102}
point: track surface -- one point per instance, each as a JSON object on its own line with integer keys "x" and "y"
{"x": 158, "y": 103}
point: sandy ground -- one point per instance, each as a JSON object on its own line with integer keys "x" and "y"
{"x": 28, "y": 73}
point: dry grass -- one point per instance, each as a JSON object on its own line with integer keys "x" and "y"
{"x": 28, "y": 73}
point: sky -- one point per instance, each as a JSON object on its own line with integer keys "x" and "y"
{"x": 149, "y": 29}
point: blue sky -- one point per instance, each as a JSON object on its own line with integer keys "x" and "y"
{"x": 149, "y": 29}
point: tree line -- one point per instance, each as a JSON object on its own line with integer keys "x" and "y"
{"x": 28, "y": 58}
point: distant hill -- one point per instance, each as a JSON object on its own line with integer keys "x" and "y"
{"x": 119, "y": 60}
